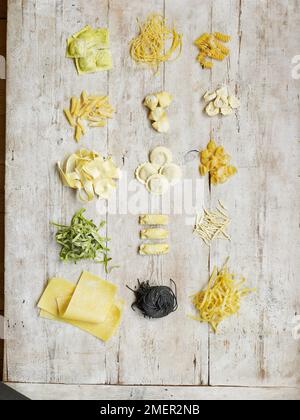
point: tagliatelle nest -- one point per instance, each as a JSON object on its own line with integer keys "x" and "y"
{"x": 150, "y": 47}
{"x": 222, "y": 299}
{"x": 91, "y": 174}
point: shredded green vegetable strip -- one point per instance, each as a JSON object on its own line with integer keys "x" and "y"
{"x": 81, "y": 241}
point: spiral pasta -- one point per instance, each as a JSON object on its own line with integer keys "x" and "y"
{"x": 211, "y": 46}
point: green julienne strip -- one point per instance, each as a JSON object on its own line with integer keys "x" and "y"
{"x": 81, "y": 241}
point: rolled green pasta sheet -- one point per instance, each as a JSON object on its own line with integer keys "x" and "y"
{"x": 155, "y": 233}
{"x": 154, "y": 249}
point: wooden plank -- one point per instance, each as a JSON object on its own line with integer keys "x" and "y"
{"x": 105, "y": 393}
{"x": 2, "y": 162}
{"x": 256, "y": 348}
{"x": 58, "y": 352}
{"x": 3, "y": 9}
{"x": 3, "y": 37}
{"x": 2, "y": 176}
{"x": 134, "y": 141}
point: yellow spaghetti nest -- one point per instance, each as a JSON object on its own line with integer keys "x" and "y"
{"x": 150, "y": 47}
{"x": 212, "y": 46}
{"x": 222, "y": 298}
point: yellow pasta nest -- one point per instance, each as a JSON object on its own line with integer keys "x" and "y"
{"x": 150, "y": 47}
{"x": 216, "y": 162}
{"x": 222, "y": 299}
{"x": 211, "y": 46}
{"x": 93, "y": 109}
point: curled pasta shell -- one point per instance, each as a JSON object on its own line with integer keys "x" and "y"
{"x": 151, "y": 102}
{"x": 209, "y": 96}
{"x": 162, "y": 125}
{"x": 211, "y": 110}
{"x": 220, "y": 102}
{"x": 164, "y": 99}
{"x": 157, "y": 114}
{"x": 223, "y": 93}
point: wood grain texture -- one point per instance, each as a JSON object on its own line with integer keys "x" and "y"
{"x": 256, "y": 349}
{"x": 2, "y": 172}
{"x": 104, "y": 393}
{"x": 263, "y": 199}
{"x": 3, "y": 9}
{"x": 146, "y": 345}
{"x": 2, "y": 154}
{"x": 2, "y": 160}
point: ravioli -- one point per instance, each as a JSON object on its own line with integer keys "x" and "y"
{"x": 94, "y": 61}
{"x": 90, "y": 49}
{"x": 172, "y": 172}
{"x": 145, "y": 171}
{"x": 159, "y": 173}
{"x": 157, "y": 184}
{"x": 161, "y": 156}
{"x": 87, "y": 38}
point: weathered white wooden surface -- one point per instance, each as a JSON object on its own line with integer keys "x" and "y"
{"x": 108, "y": 392}
{"x": 258, "y": 348}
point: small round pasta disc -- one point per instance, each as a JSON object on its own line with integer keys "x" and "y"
{"x": 145, "y": 171}
{"x": 172, "y": 172}
{"x": 157, "y": 184}
{"x": 161, "y": 156}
